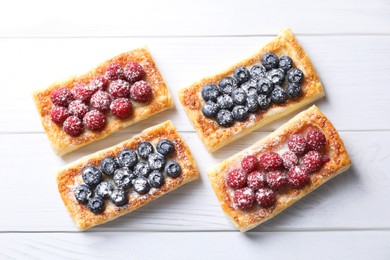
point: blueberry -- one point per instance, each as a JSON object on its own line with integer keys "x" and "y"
{"x": 119, "y": 197}
{"x": 156, "y": 179}
{"x": 96, "y": 205}
{"x": 92, "y": 175}
{"x": 156, "y": 161}
{"x": 141, "y": 185}
{"x": 295, "y": 76}
{"x": 142, "y": 169}
{"x": 225, "y": 118}
{"x": 276, "y": 76}
{"x": 145, "y": 149}
{"x": 240, "y": 113}
{"x": 173, "y": 169}
{"x": 226, "y": 85}
{"x": 241, "y": 74}
{"x": 258, "y": 71}
{"x": 252, "y": 104}
{"x": 104, "y": 189}
{"x": 165, "y": 147}
{"x": 294, "y": 90}
{"x": 270, "y": 61}
{"x": 123, "y": 178}
{"x": 278, "y": 95}
{"x": 210, "y": 109}
{"x": 128, "y": 158}
{"x": 264, "y": 86}
{"x": 239, "y": 96}
{"x": 109, "y": 165}
{"x": 82, "y": 193}
{"x": 210, "y": 92}
{"x": 264, "y": 101}
{"x": 225, "y": 102}
{"x": 250, "y": 87}
{"x": 285, "y": 63}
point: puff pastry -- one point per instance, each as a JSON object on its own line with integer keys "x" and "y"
{"x": 70, "y": 176}
{"x": 215, "y": 136}
{"x": 63, "y": 143}
{"x": 335, "y": 149}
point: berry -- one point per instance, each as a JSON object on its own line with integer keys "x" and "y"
{"x": 290, "y": 159}
{"x": 276, "y": 76}
{"x": 104, "y": 189}
{"x": 165, "y": 147}
{"x": 109, "y": 165}
{"x": 82, "y": 193}
{"x": 244, "y": 198}
{"x": 118, "y": 197}
{"x": 298, "y": 177}
{"x": 61, "y": 97}
{"x": 225, "y": 102}
{"x": 128, "y": 158}
{"x": 59, "y": 114}
{"x": 121, "y": 107}
{"x": 276, "y": 180}
{"x": 265, "y": 197}
{"x": 141, "y": 185}
{"x": 295, "y": 76}
{"x": 94, "y": 120}
{"x": 285, "y": 63}
{"x": 119, "y": 88}
{"x": 210, "y": 92}
{"x": 156, "y": 161}
{"x": 240, "y": 113}
{"x": 297, "y": 144}
{"x": 225, "y": 118}
{"x": 101, "y": 100}
{"x": 78, "y": 108}
{"x": 250, "y": 87}
{"x": 141, "y": 91}
{"x": 91, "y": 175}
{"x": 278, "y": 95}
{"x": 144, "y": 149}
{"x": 264, "y": 86}
{"x": 312, "y": 161}
{"x": 114, "y": 71}
{"x": 239, "y": 96}
{"x": 226, "y": 85}
{"x": 249, "y": 163}
{"x": 236, "y": 179}
{"x": 263, "y": 101}
{"x": 123, "y": 178}
{"x": 133, "y": 72}
{"x": 156, "y": 179}
{"x": 96, "y": 205}
{"x": 73, "y": 126}
{"x": 99, "y": 83}
{"x": 294, "y": 90}
{"x": 269, "y": 61}
{"x": 256, "y": 180}
{"x": 83, "y": 92}
{"x": 172, "y": 169}
{"x": 316, "y": 140}
{"x": 258, "y": 71}
{"x": 325, "y": 159}
{"x": 142, "y": 169}
{"x": 241, "y": 74}
{"x": 252, "y": 104}
{"x": 270, "y": 161}
{"x": 210, "y": 109}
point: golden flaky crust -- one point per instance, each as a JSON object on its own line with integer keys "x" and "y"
{"x": 70, "y": 176}
{"x": 214, "y": 136}
{"x": 335, "y": 149}
{"x": 63, "y": 143}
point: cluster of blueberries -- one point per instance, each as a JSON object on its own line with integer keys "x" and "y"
{"x": 250, "y": 91}
{"x": 140, "y": 170}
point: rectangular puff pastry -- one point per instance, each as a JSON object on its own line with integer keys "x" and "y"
{"x": 215, "y": 136}
{"x": 70, "y": 176}
{"x": 335, "y": 149}
{"x": 63, "y": 143}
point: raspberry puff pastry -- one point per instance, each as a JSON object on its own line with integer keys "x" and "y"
{"x": 266, "y": 178}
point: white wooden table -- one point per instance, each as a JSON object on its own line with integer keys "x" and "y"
{"x": 349, "y": 44}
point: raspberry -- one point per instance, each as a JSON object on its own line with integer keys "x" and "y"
{"x": 133, "y": 72}
{"x": 83, "y": 92}
{"x": 276, "y": 180}
{"x": 244, "y": 198}
{"x": 236, "y": 179}
{"x": 249, "y": 163}
{"x": 141, "y": 91}
{"x": 94, "y": 120}
{"x": 312, "y": 161}
{"x": 59, "y": 114}
{"x": 325, "y": 159}
{"x": 298, "y": 177}
{"x": 78, "y": 108}
{"x": 265, "y": 197}
{"x": 290, "y": 159}
{"x": 119, "y": 88}
{"x": 297, "y": 144}
{"x": 121, "y": 108}
{"x": 61, "y": 97}
{"x": 114, "y": 71}
{"x": 73, "y": 126}
{"x": 99, "y": 83}
{"x": 271, "y": 161}
{"x": 316, "y": 140}
{"x": 256, "y": 180}
{"x": 101, "y": 100}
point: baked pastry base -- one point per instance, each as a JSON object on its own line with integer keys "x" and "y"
{"x": 63, "y": 143}
{"x": 335, "y": 149}
{"x": 215, "y": 136}
{"x": 70, "y": 176}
